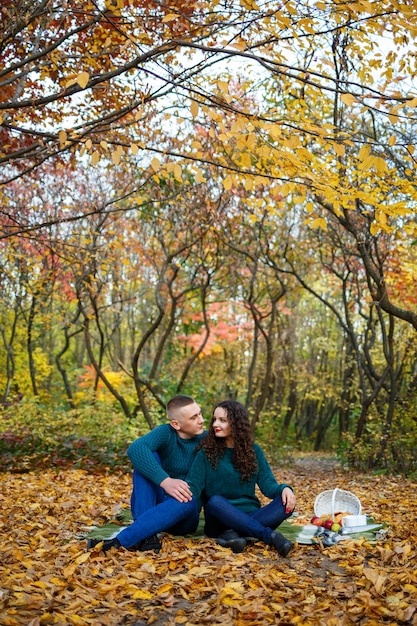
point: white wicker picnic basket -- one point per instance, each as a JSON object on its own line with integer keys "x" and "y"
{"x": 337, "y": 500}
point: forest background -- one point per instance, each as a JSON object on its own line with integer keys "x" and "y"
{"x": 212, "y": 198}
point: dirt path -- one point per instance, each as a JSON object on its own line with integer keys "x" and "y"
{"x": 316, "y": 464}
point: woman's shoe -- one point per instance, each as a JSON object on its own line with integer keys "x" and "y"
{"x": 282, "y": 545}
{"x": 231, "y": 539}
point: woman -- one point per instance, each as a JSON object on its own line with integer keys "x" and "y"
{"x": 224, "y": 475}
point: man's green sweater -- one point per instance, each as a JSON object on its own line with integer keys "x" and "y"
{"x": 224, "y": 480}
{"x": 176, "y": 454}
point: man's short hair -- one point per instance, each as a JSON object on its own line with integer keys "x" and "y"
{"x": 176, "y": 404}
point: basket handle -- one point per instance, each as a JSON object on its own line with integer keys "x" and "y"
{"x": 333, "y": 499}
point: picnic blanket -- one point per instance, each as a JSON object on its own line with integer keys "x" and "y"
{"x": 306, "y": 534}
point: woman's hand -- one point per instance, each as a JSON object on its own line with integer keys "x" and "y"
{"x": 288, "y": 499}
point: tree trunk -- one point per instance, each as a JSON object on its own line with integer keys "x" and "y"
{"x": 32, "y": 368}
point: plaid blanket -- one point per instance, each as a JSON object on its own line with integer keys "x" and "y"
{"x": 307, "y": 534}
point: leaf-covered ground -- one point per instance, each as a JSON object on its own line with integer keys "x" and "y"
{"x": 47, "y": 577}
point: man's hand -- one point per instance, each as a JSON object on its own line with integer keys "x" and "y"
{"x": 177, "y": 488}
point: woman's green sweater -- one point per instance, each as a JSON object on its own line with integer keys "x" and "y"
{"x": 224, "y": 480}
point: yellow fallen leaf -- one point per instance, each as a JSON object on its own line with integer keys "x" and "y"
{"x": 39, "y": 583}
{"x": 75, "y": 619}
{"x": 142, "y": 594}
{"x": 57, "y": 581}
{"x": 82, "y": 558}
{"x": 376, "y": 579}
{"x": 69, "y": 570}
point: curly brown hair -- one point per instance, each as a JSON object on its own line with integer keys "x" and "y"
{"x": 244, "y": 458}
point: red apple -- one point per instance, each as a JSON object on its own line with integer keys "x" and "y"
{"x": 328, "y": 524}
{"x": 316, "y": 521}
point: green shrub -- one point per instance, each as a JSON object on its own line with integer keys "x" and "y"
{"x": 93, "y": 438}
{"x": 374, "y": 451}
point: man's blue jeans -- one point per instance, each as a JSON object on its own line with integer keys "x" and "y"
{"x": 153, "y": 511}
{"x": 145, "y": 494}
{"x": 176, "y": 518}
{"x": 221, "y": 515}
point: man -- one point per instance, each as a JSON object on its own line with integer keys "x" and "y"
{"x": 161, "y": 498}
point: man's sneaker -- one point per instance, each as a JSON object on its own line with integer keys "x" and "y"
{"x": 151, "y": 543}
{"x": 107, "y": 544}
{"x": 282, "y": 545}
{"x": 231, "y": 539}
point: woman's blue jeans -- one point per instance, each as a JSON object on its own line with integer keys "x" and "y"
{"x": 221, "y": 515}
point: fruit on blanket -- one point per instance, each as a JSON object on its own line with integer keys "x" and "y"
{"x": 329, "y": 522}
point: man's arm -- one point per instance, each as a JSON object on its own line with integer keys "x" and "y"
{"x": 141, "y": 453}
